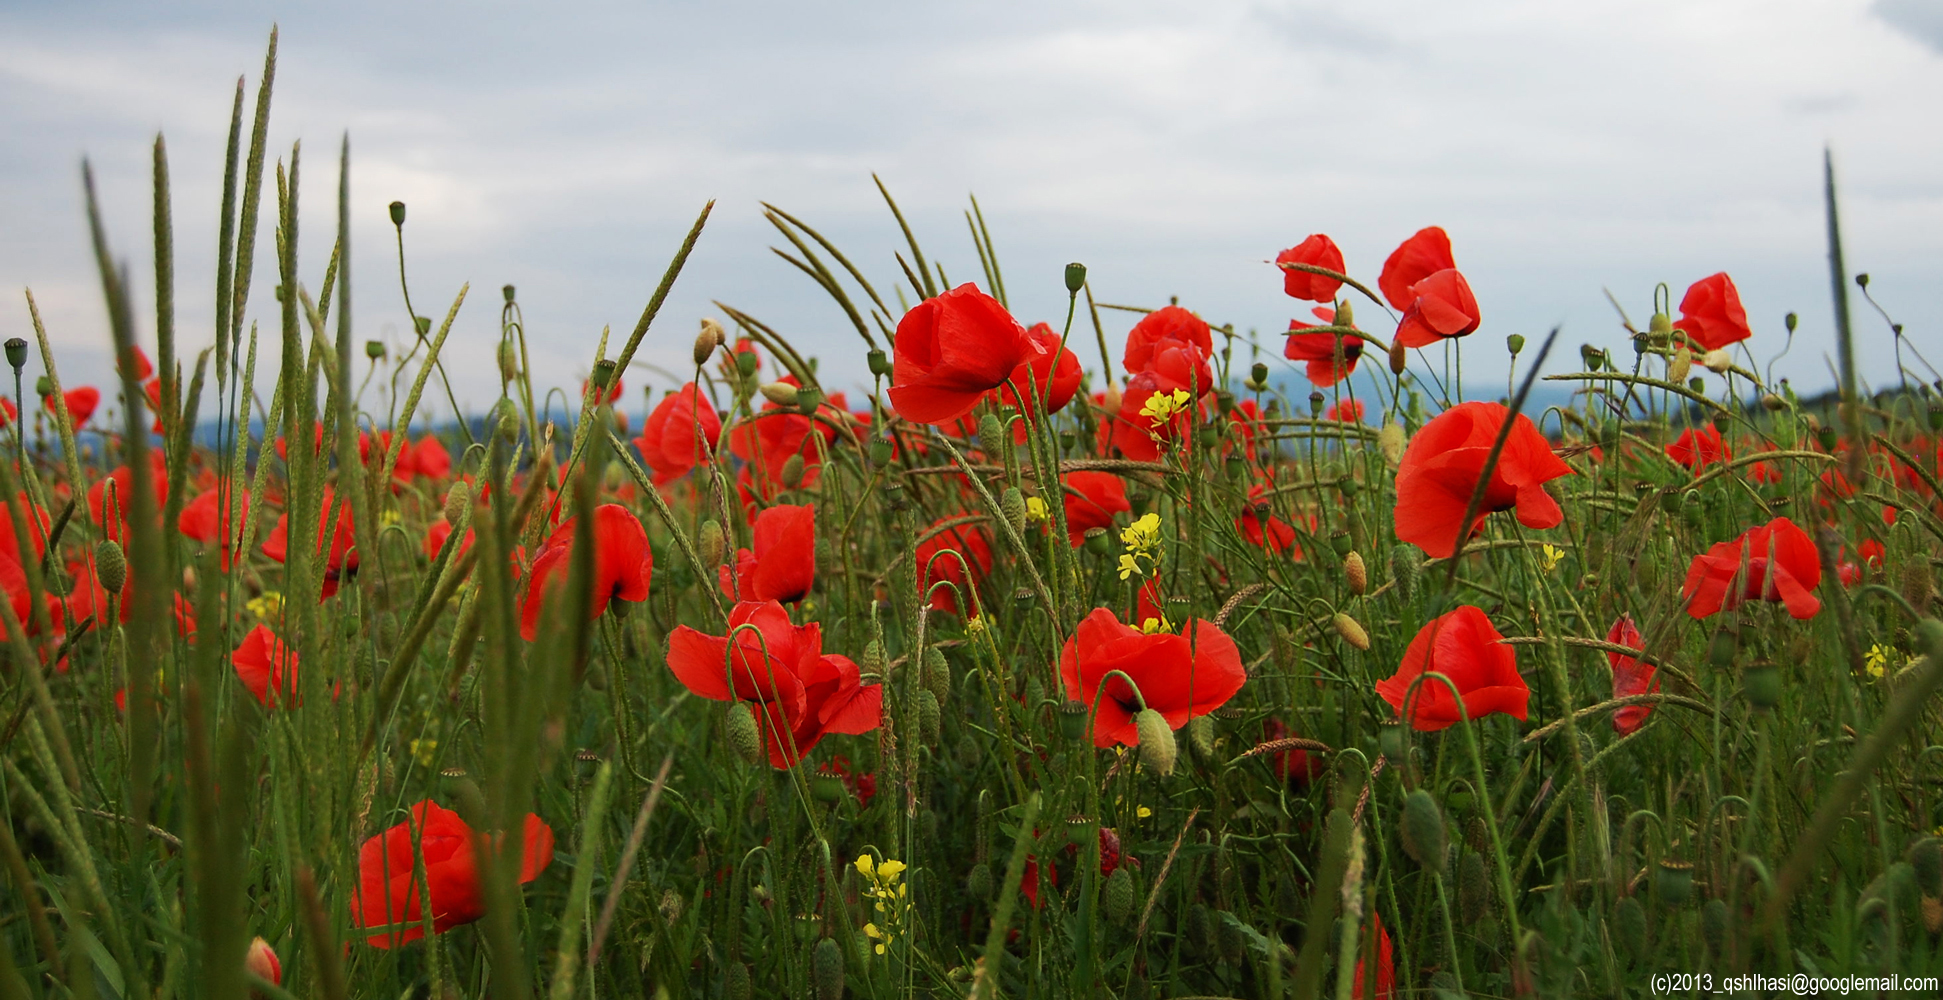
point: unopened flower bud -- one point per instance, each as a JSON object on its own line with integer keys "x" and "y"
{"x": 979, "y": 882}
{"x": 1422, "y": 827}
{"x": 937, "y": 673}
{"x": 1406, "y": 564}
{"x": 1012, "y": 505}
{"x": 1345, "y": 315}
{"x": 1355, "y": 573}
{"x": 991, "y": 431}
{"x": 1790, "y": 321}
{"x": 793, "y": 472}
{"x": 1717, "y": 361}
{"x": 458, "y": 500}
{"x": 110, "y": 566}
{"x": 1111, "y": 399}
{"x": 779, "y": 393}
{"x": 710, "y": 338}
{"x": 745, "y": 363}
{"x": 712, "y": 542}
{"x": 1679, "y": 365}
{"x": 1075, "y": 277}
{"x": 745, "y": 737}
{"x": 1660, "y": 324}
{"x": 1116, "y": 897}
{"x": 397, "y": 213}
{"x": 1761, "y": 683}
{"x": 508, "y": 361}
{"x": 261, "y": 961}
{"x": 929, "y": 718}
{"x": 826, "y": 970}
{"x": 1399, "y": 358}
{"x": 1350, "y": 630}
{"x": 1157, "y": 749}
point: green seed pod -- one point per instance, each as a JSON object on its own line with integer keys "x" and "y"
{"x": 1157, "y": 749}
{"x": 1593, "y": 357}
{"x": 16, "y": 352}
{"x": 1761, "y": 683}
{"x": 397, "y": 213}
{"x": 735, "y": 982}
{"x": 1675, "y": 882}
{"x": 508, "y": 293}
{"x": 979, "y": 882}
{"x": 110, "y": 566}
{"x": 1422, "y": 827}
{"x": 1072, "y": 720}
{"x": 1406, "y": 566}
{"x": 880, "y": 363}
{"x": 827, "y": 788}
{"x": 808, "y": 398}
{"x": 991, "y": 431}
{"x": 1200, "y": 736}
{"x": 1258, "y": 373}
{"x": 1012, "y": 504}
{"x": 1316, "y": 402}
{"x": 1075, "y": 277}
{"x": 1629, "y": 925}
{"x": 744, "y": 735}
{"x": 374, "y": 349}
{"x": 826, "y": 970}
{"x": 1713, "y": 926}
{"x": 793, "y": 472}
{"x": 1473, "y": 887}
{"x": 458, "y": 500}
{"x": 44, "y": 386}
{"x": 1117, "y": 895}
{"x": 929, "y": 721}
{"x": 1926, "y": 857}
{"x": 1098, "y": 541}
{"x": 1515, "y": 344}
{"x": 1724, "y": 646}
{"x": 937, "y": 674}
{"x": 1350, "y": 631}
{"x": 713, "y": 543}
{"x": 881, "y": 452}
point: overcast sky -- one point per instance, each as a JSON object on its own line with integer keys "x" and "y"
{"x": 1173, "y": 147}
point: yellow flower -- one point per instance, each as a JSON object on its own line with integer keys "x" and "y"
{"x": 1162, "y": 406}
{"x": 423, "y": 750}
{"x": 866, "y": 866}
{"x": 1876, "y": 661}
{"x": 1148, "y": 626}
{"x": 1128, "y": 567}
{"x": 1142, "y": 535}
{"x": 267, "y": 606}
{"x": 1143, "y": 812}
{"x": 387, "y": 518}
{"x": 1552, "y": 556}
{"x": 975, "y": 625}
{"x": 1035, "y": 510}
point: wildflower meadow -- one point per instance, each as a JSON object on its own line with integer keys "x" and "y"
{"x": 1052, "y": 661}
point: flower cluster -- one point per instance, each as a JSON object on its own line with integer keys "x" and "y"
{"x": 890, "y": 898}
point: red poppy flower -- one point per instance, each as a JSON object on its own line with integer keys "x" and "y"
{"x": 343, "y": 557}
{"x": 13, "y": 581}
{"x": 81, "y": 404}
{"x": 783, "y": 565}
{"x": 1246, "y": 420}
{"x": 153, "y": 390}
{"x": 7, "y": 412}
{"x": 1764, "y": 472}
{"x": 1872, "y": 552}
{"x": 1442, "y": 307}
{"x": 1166, "y": 325}
{"x": 1782, "y": 565}
{"x": 1419, "y": 257}
{"x": 1320, "y": 350}
{"x": 1442, "y": 465}
{"x": 389, "y": 894}
{"x": 1697, "y": 447}
{"x": 1054, "y": 373}
{"x": 1316, "y": 251}
{"x": 961, "y": 556}
{"x": 115, "y": 524}
{"x": 679, "y": 434}
{"x": 1291, "y": 765}
{"x": 800, "y": 693}
{"x": 1386, "y": 968}
{"x": 1276, "y": 534}
{"x": 1711, "y": 313}
{"x": 1349, "y": 411}
{"x": 89, "y": 599}
{"x": 203, "y": 521}
{"x": 951, "y": 350}
{"x": 143, "y": 366}
{"x": 38, "y": 527}
{"x": 1461, "y": 645}
{"x": 1179, "y": 675}
{"x": 772, "y": 437}
{"x": 1629, "y": 677}
{"x": 267, "y": 667}
{"x": 623, "y": 565}
{"x": 1092, "y": 498}
{"x": 613, "y": 391}
{"x": 1175, "y": 368}
{"x": 1147, "y": 602}
{"x": 430, "y": 460}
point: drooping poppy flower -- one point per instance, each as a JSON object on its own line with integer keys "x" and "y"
{"x": 81, "y": 404}
{"x": 799, "y": 693}
{"x": 1180, "y": 675}
{"x": 389, "y": 896}
{"x": 1697, "y": 447}
{"x": 1331, "y": 357}
{"x": 1782, "y": 565}
{"x": 1053, "y": 373}
{"x": 1464, "y": 646}
{"x": 1316, "y": 251}
{"x": 1711, "y": 313}
{"x": 782, "y": 567}
{"x": 1442, "y": 307}
{"x": 1630, "y": 676}
{"x": 209, "y": 519}
{"x": 951, "y": 350}
{"x": 1444, "y": 461}
{"x": 623, "y": 565}
{"x": 679, "y": 434}
{"x": 38, "y": 527}
{"x": 1092, "y": 499}
{"x": 1422, "y": 255}
{"x": 343, "y": 554}
{"x": 1164, "y": 327}
{"x": 959, "y": 555}
{"x": 267, "y": 667}
{"x": 1377, "y": 936}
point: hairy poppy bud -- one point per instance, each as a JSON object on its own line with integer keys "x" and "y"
{"x": 1926, "y": 858}
{"x": 713, "y": 544}
{"x": 397, "y": 213}
{"x": 1713, "y": 925}
{"x": 261, "y": 962}
{"x": 1355, "y": 573}
{"x": 1423, "y": 831}
{"x": 710, "y": 338}
{"x": 1157, "y": 749}
{"x": 1351, "y": 631}
{"x": 458, "y": 500}
{"x": 735, "y": 982}
{"x": 1660, "y": 324}
{"x": 1717, "y": 361}
{"x": 1515, "y": 344}
{"x": 1773, "y": 403}
{"x": 1722, "y": 648}
{"x": 937, "y": 674}
{"x": 1012, "y": 504}
{"x": 1473, "y": 888}
{"x": 744, "y": 735}
{"x": 929, "y": 718}
{"x": 1679, "y": 365}
{"x": 793, "y": 472}
{"x": 1200, "y": 736}
{"x": 826, "y": 970}
{"x": 979, "y": 882}
{"x": 1117, "y": 895}
{"x": 1675, "y": 882}
{"x": 991, "y": 431}
{"x": 1629, "y": 925}
{"x": 508, "y": 357}
{"x": 110, "y": 566}
{"x": 1399, "y": 358}
{"x": 16, "y": 352}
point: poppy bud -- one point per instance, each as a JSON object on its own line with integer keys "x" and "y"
{"x": 44, "y": 386}
{"x": 929, "y": 718}
{"x": 1713, "y": 925}
{"x": 1355, "y": 573}
{"x": 508, "y": 358}
{"x": 261, "y": 961}
{"x": 712, "y": 542}
{"x": 979, "y": 882}
{"x": 744, "y": 735}
{"x": 1773, "y": 403}
{"x": 881, "y": 452}
{"x": 710, "y": 338}
{"x": 937, "y": 674}
{"x": 1629, "y": 925}
{"x": 880, "y": 364}
{"x": 735, "y": 982}
{"x": 1761, "y": 682}
{"x": 1717, "y": 361}
{"x": 397, "y": 213}
{"x": 1349, "y": 488}
{"x": 990, "y": 431}
{"x": 1012, "y": 504}
{"x": 1675, "y": 882}
{"x": 1473, "y": 888}
{"x": 1200, "y": 736}
{"x": 508, "y": 427}
{"x": 1423, "y": 831}
{"x": 1399, "y": 358}
{"x": 1351, "y": 631}
{"x": 1200, "y": 929}
{"x": 1111, "y": 400}
{"x": 1117, "y": 895}
{"x": 1389, "y": 740}
{"x": 793, "y": 472}
{"x": 110, "y": 566}
{"x": 1406, "y": 563}
{"x": 16, "y": 352}
{"x": 1679, "y": 365}
{"x": 1661, "y": 324}
{"x": 458, "y": 500}
{"x": 1157, "y": 749}
{"x": 826, "y": 970}
{"x": 1515, "y": 343}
